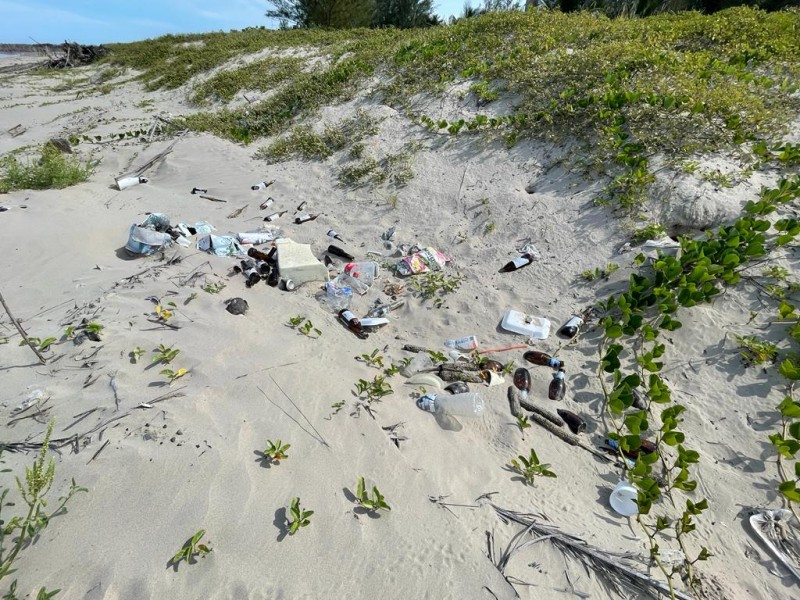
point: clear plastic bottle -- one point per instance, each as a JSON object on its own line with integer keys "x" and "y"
{"x": 366, "y": 271}
{"x": 469, "y": 404}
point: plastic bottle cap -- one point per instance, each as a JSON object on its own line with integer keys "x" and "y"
{"x": 427, "y": 402}
{"x": 623, "y": 499}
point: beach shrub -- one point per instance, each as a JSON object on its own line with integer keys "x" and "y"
{"x": 52, "y": 170}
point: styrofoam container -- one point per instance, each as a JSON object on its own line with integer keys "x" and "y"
{"x": 518, "y": 322}
{"x": 298, "y": 263}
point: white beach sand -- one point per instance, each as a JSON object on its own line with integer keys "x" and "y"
{"x": 192, "y": 461}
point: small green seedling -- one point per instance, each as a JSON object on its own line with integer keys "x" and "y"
{"x": 300, "y": 518}
{"x": 42, "y": 344}
{"x": 191, "y": 549}
{"x": 304, "y": 326}
{"x": 191, "y": 297}
{"x": 375, "y": 359}
{"x": 435, "y": 286}
{"x": 599, "y": 273}
{"x": 173, "y": 375}
{"x": 374, "y": 503}
{"x": 438, "y": 357}
{"x": 373, "y": 390}
{"x": 214, "y": 288}
{"x": 136, "y": 354}
{"x": 164, "y": 354}
{"x": 337, "y": 406}
{"x": 530, "y": 467}
{"x": 94, "y": 327}
{"x": 755, "y": 351}
{"x": 523, "y": 424}
{"x": 163, "y": 314}
{"x": 276, "y": 451}
{"x": 392, "y": 369}
{"x": 69, "y": 332}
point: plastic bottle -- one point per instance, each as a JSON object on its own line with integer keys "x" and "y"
{"x": 365, "y": 271}
{"x": 469, "y": 404}
{"x": 334, "y": 235}
{"x": 262, "y": 185}
{"x": 570, "y": 328}
{"x": 467, "y": 343}
{"x": 304, "y": 218}
{"x": 543, "y": 359}
{"x": 337, "y": 298}
{"x": 522, "y": 381}
{"x": 352, "y": 323}
{"x": 275, "y": 216}
{"x": 518, "y": 263}
{"x": 383, "y": 309}
{"x": 558, "y": 386}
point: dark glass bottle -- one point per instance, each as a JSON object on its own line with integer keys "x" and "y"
{"x": 258, "y": 254}
{"x": 352, "y": 323}
{"x": 638, "y": 401}
{"x": 570, "y": 328}
{"x": 304, "y": 218}
{"x": 334, "y": 235}
{"x": 517, "y": 263}
{"x": 542, "y": 358}
{"x": 336, "y": 251}
{"x": 522, "y": 381}
{"x": 558, "y": 386}
{"x": 275, "y": 216}
{"x": 573, "y": 421}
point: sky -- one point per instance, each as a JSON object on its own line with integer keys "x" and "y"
{"x": 100, "y": 21}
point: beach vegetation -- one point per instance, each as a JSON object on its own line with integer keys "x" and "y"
{"x": 213, "y": 288}
{"x": 529, "y": 467}
{"x": 304, "y": 326}
{"x": 191, "y": 549}
{"x": 372, "y": 501}
{"x": 136, "y": 354}
{"x": 600, "y": 272}
{"x": 300, "y": 518}
{"x": 436, "y": 286}
{"x": 19, "y": 531}
{"x": 523, "y": 424}
{"x": 164, "y": 354}
{"x": 651, "y": 231}
{"x": 173, "y": 375}
{"x": 373, "y": 359}
{"x": 52, "y": 170}
{"x": 276, "y": 451}
{"x": 42, "y": 344}
{"x": 755, "y": 351}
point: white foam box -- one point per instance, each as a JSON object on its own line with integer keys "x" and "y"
{"x": 298, "y": 263}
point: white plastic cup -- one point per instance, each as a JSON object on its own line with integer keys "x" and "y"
{"x": 623, "y": 499}
{"x": 129, "y": 181}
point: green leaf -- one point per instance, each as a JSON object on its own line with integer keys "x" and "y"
{"x": 614, "y": 332}
{"x": 673, "y": 438}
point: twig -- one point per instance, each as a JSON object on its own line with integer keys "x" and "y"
{"x": 21, "y": 330}
{"x": 212, "y": 198}
{"x": 113, "y": 384}
{"x": 324, "y": 443}
{"x": 237, "y": 212}
{"x": 106, "y": 443}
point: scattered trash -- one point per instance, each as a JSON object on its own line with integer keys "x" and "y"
{"x": 150, "y": 236}
{"x": 623, "y": 499}
{"x": 332, "y": 234}
{"x": 266, "y": 203}
{"x": 522, "y": 381}
{"x": 298, "y": 263}
{"x": 366, "y": 272}
{"x": 425, "y": 379}
{"x": 337, "y": 298}
{"x": 288, "y": 285}
{"x": 236, "y": 306}
{"x": 352, "y": 323}
{"x": 125, "y": 182}
{"x": 221, "y": 245}
{"x": 381, "y": 310}
{"x": 646, "y": 447}
{"x": 464, "y": 344}
{"x": 17, "y": 130}
{"x": 259, "y": 237}
{"x": 570, "y": 329}
{"x": 262, "y": 185}
{"x": 275, "y": 216}
{"x": 372, "y": 323}
{"x": 543, "y": 359}
{"x": 420, "y": 363}
{"x": 468, "y": 404}
{"x": 423, "y": 261}
{"x": 387, "y": 235}
{"x": 574, "y": 422}
{"x": 518, "y": 322}
{"x": 336, "y": 251}
{"x": 196, "y": 190}
{"x": 775, "y": 530}
{"x": 558, "y": 386}
{"x": 33, "y": 398}
{"x": 302, "y": 206}
{"x": 666, "y": 246}
{"x": 305, "y": 218}
{"x": 626, "y": 247}
{"x": 518, "y": 263}
{"x": 457, "y": 387}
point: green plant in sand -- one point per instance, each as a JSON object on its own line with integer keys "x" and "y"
{"x": 373, "y": 502}
{"x": 191, "y": 549}
{"x": 300, "y": 518}
{"x": 52, "y": 170}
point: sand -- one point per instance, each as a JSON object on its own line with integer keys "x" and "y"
{"x": 192, "y": 461}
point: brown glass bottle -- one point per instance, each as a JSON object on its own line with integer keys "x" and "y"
{"x": 259, "y": 255}
{"x": 522, "y": 381}
{"x": 352, "y": 323}
{"x": 517, "y": 263}
{"x": 304, "y": 218}
{"x": 275, "y": 216}
{"x": 573, "y": 421}
{"x": 542, "y": 358}
{"x": 558, "y": 386}
{"x": 336, "y": 251}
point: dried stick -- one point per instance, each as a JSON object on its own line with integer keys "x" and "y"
{"x": 21, "y": 331}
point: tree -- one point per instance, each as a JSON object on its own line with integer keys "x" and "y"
{"x": 404, "y": 14}
{"x": 322, "y": 13}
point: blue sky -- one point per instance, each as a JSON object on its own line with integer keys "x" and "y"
{"x": 98, "y": 21}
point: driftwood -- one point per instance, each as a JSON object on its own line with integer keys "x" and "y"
{"x": 76, "y": 55}
{"x": 610, "y": 568}
{"x": 468, "y": 377}
{"x": 537, "y": 410}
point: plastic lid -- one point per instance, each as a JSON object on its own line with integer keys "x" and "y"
{"x": 427, "y": 402}
{"x": 623, "y": 499}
